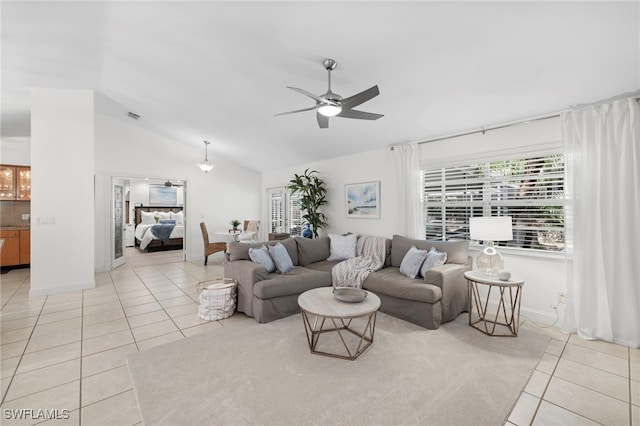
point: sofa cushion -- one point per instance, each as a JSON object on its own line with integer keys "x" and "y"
{"x": 434, "y": 258}
{"x": 390, "y": 282}
{"x": 325, "y": 265}
{"x": 311, "y": 250}
{"x": 281, "y": 258}
{"x": 410, "y": 266}
{"x": 296, "y": 281}
{"x": 240, "y": 251}
{"x": 457, "y": 251}
{"x": 342, "y": 247}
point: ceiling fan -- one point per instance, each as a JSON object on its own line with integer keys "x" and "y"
{"x": 333, "y": 105}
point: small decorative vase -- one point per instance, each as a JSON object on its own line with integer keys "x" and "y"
{"x": 307, "y": 232}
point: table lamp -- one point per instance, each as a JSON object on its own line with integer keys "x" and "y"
{"x": 490, "y": 229}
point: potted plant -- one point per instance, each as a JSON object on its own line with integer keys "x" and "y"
{"x": 235, "y": 223}
{"x": 312, "y": 197}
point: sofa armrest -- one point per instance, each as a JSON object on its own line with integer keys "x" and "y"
{"x": 246, "y": 273}
{"x": 455, "y": 293}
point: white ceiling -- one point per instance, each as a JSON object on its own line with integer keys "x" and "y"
{"x": 218, "y": 71}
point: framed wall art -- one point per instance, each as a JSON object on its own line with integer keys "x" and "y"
{"x": 163, "y": 195}
{"x": 363, "y": 200}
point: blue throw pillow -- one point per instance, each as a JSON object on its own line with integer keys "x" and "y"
{"x": 281, "y": 257}
{"x": 167, "y": 221}
{"x": 410, "y": 266}
{"x": 261, "y": 255}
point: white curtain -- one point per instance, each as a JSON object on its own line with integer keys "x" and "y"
{"x": 602, "y": 155}
{"x": 407, "y": 166}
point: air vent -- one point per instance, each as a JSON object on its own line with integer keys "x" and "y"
{"x": 133, "y": 115}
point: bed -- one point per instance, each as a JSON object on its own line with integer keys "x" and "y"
{"x": 145, "y": 221}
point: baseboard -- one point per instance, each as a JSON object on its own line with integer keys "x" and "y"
{"x": 37, "y": 292}
{"x": 535, "y": 315}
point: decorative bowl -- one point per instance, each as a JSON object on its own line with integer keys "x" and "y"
{"x": 349, "y": 294}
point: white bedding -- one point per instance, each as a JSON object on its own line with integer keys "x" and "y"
{"x": 145, "y": 236}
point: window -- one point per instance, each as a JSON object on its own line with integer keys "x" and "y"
{"x": 284, "y": 212}
{"x": 530, "y": 190}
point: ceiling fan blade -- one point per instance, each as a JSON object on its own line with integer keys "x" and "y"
{"x": 312, "y": 96}
{"x": 297, "y": 110}
{"x": 323, "y": 121}
{"x": 352, "y": 113}
{"x": 359, "y": 98}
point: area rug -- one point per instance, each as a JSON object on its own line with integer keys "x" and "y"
{"x": 263, "y": 374}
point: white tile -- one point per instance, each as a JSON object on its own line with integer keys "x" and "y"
{"x": 103, "y": 316}
{"x": 160, "y": 340}
{"x": 14, "y": 349}
{"x": 61, "y": 397}
{"x": 106, "y": 342}
{"x": 121, "y": 409}
{"x": 8, "y": 367}
{"x": 103, "y": 328}
{"x": 142, "y": 309}
{"x": 56, "y": 327}
{"x": 594, "y": 379}
{"x": 104, "y": 385}
{"x": 148, "y": 318}
{"x": 44, "y": 378}
{"x": 53, "y": 340}
{"x": 537, "y": 383}
{"x": 552, "y": 415}
{"x": 547, "y": 363}
{"x": 525, "y": 408}
{"x": 601, "y": 346}
{"x": 106, "y": 360}
{"x": 587, "y": 403}
{"x": 153, "y": 330}
{"x": 597, "y": 359}
{"x": 46, "y": 357}
{"x": 15, "y": 335}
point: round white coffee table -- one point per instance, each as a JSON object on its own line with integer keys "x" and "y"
{"x": 320, "y": 308}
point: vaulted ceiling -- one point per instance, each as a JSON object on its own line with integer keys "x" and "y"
{"x": 218, "y": 71}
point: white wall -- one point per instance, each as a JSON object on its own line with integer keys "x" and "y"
{"x": 228, "y": 192}
{"x": 544, "y": 275}
{"x": 62, "y": 239}
{"x": 16, "y": 150}
{"x": 369, "y": 166}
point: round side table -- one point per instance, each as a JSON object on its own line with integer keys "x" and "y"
{"x": 510, "y": 293}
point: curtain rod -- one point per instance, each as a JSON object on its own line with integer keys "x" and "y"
{"x": 504, "y": 125}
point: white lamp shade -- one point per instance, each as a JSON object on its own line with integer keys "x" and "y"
{"x": 486, "y": 228}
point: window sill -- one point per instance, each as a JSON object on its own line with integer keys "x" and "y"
{"x": 551, "y": 256}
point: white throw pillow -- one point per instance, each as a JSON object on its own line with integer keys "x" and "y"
{"x": 342, "y": 247}
{"x": 434, "y": 258}
{"x": 164, "y": 215}
{"x": 178, "y": 217}
{"x": 261, "y": 255}
{"x": 281, "y": 257}
{"x": 146, "y": 218}
{"x": 410, "y": 266}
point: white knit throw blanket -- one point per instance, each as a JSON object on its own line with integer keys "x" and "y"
{"x": 370, "y": 257}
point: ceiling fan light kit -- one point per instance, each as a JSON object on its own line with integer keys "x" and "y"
{"x": 331, "y": 104}
{"x": 206, "y": 165}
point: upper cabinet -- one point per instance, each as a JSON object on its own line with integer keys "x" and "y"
{"x": 23, "y": 186}
{"x": 15, "y": 183}
{"x": 7, "y": 183}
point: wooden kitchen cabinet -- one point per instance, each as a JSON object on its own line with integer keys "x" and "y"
{"x": 25, "y": 247}
{"x": 15, "y": 182}
{"x": 7, "y": 182}
{"x": 11, "y": 249}
{"x": 23, "y": 183}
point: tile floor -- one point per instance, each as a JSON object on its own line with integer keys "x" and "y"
{"x": 68, "y": 352}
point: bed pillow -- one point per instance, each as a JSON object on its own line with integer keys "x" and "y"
{"x": 410, "y": 266}
{"x": 167, "y": 221}
{"x": 261, "y": 255}
{"x": 146, "y": 218}
{"x": 178, "y": 217}
{"x": 434, "y": 258}
{"x": 281, "y": 258}
{"x": 164, "y": 215}
{"x": 342, "y": 247}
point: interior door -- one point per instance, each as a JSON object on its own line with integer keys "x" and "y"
{"x": 117, "y": 224}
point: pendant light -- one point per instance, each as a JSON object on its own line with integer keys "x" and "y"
{"x": 206, "y": 165}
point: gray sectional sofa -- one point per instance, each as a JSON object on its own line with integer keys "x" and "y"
{"x": 438, "y": 297}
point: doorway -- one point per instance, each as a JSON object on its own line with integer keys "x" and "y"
{"x": 127, "y": 193}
